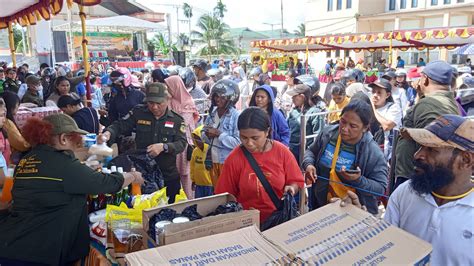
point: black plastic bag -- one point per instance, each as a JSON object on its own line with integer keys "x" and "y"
{"x": 163, "y": 215}
{"x": 150, "y": 170}
{"x": 231, "y": 206}
{"x": 191, "y": 213}
{"x": 288, "y": 212}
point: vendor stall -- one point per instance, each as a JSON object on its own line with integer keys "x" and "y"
{"x": 449, "y": 38}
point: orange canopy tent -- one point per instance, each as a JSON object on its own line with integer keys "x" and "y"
{"x": 449, "y": 38}
{"x": 28, "y": 12}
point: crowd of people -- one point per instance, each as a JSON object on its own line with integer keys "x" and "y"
{"x": 215, "y": 129}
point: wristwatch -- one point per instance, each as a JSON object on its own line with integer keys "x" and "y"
{"x": 165, "y": 147}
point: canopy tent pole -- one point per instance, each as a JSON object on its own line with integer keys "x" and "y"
{"x": 307, "y": 56}
{"x": 85, "y": 53}
{"x": 11, "y": 39}
{"x": 390, "y": 50}
{"x": 427, "y": 54}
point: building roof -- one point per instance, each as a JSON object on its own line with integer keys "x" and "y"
{"x": 124, "y": 7}
{"x": 246, "y": 33}
{"x": 272, "y": 34}
{"x": 449, "y": 38}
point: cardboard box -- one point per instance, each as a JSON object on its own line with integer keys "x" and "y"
{"x": 206, "y": 226}
{"x": 341, "y": 236}
{"x": 330, "y": 235}
{"x": 242, "y": 247}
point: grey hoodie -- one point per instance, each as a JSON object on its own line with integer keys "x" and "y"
{"x": 370, "y": 159}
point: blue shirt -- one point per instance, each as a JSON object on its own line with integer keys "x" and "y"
{"x": 401, "y": 63}
{"x": 81, "y": 89}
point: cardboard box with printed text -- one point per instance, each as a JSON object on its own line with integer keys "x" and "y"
{"x": 330, "y": 235}
{"x": 206, "y": 226}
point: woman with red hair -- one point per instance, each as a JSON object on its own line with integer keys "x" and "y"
{"x": 47, "y": 221}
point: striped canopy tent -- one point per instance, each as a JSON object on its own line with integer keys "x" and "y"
{"x": 28, "y": 12}
{"x": 466, "y": 49}
{"x": 449, "y": 38}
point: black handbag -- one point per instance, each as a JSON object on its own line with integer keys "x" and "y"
{"x": 285, "y": 210}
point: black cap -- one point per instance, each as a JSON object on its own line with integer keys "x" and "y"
{"x": 389, "y": 75}
{"x": 382, "y": 83}
{"x": 201, "y": 63}
{"x": 66, "y": 100}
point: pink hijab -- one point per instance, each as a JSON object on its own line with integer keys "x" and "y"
{"x": 181, "y": 101}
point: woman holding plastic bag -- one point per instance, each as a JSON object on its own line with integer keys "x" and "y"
{"x": 260, "y": 171}
{"x": 47, "y": 222}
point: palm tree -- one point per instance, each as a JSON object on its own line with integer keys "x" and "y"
{"x": 188, "y": 13}
{"x": 183, "y": 40}
{"x": 212, "y": 36}
{"x": 220, "y": 9}
{"x": 163, "y": 45}
{"x": 301, "y": 31}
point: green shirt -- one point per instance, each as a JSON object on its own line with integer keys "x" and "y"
{"x": 48, "y": 221}
{"x": 420, "y": 115}
{"x": 168, "y": 129}
{"x": 31, "y": 97}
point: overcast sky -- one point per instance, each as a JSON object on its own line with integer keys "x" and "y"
{"x": 240, "y": 13}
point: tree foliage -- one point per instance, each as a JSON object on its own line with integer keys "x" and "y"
{"x": 301, "y": 30}
{"x": 212, "y": 36}
{"x": 220, "y": 9}
{"x": 187, "y": 10}
{"x": 162, "y": 44}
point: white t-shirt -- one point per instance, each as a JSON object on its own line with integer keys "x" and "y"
{"x": 391, "y": 111}
{"x": 449, "y": 228}
{"x": 400, "y": 97}
{"x": 3, "y": 164}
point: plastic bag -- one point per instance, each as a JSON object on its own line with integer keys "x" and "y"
{"x": 155, "y": 199}
{"x": 163, "y": 215}
{"x": 123, "y": 214}
{"x": 191, "y": 213}
{"x": 150, "y": 170}
{"x": 288, "y": 212}
{"x": 231, "y": 206}
{"x": 180, "y": 197}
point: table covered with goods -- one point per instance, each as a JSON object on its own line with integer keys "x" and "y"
{"x": 137, "y": 226}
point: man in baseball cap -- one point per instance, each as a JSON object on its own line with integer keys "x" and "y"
{"x": 436, "y": 99}
{"x": 200, "y": 68}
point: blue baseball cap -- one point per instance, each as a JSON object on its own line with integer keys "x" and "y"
{"x": 447, "y": 131}
{"x": 439, "y": 71}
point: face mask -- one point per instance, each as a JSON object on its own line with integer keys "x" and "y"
{"x": 39, "y": 88}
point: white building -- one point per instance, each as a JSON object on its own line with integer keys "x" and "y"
{"x": 360, "y": 16}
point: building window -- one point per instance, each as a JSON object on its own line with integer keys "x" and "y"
{"x": 348, "y": 4}
{"x": 328, "y": 54}
{"x": 434, "y": 2}
{"x": 414, "y": 3}
{"x": 460, "y": 1}
{"x": 446, "y": 2}
{"x": 338, "y": 53}
{"x": 403, "y": 4}
{"x": 329, "y": 5}
{"x": 339, "y": 5}
{"x": 391, "y": 5}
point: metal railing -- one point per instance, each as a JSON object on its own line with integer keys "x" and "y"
{"x": 303, "y": 138}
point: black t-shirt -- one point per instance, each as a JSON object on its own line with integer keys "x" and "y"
{"x": 87, "y": 119}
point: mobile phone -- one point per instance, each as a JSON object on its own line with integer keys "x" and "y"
{"x": 352, "y": 171}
